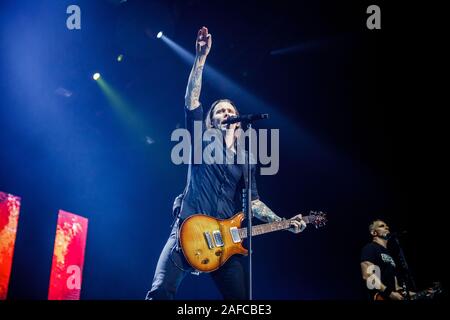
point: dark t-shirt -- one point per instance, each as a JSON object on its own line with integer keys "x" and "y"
{"x": 213, "y": 189}
{"x": 380, "y": 256}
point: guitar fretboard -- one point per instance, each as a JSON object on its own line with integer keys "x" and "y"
{"x": 270, "y": 227}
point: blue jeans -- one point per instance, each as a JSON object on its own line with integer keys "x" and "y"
{"x": 172, "y": 267}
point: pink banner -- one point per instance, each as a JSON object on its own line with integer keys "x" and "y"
{"x": 9, "y": 218}
{"x": 68, "y": 257}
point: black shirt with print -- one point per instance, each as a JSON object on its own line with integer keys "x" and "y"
{"x": 380, "y": 256}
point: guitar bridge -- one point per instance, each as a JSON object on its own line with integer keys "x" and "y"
{"x": 235, "y": 235}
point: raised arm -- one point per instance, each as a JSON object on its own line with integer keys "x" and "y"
{"x": 202, "y": 47}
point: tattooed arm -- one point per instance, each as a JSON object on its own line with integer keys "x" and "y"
{"x": 263, "y": 212}
{"x": 202, "y": 46}
{"x": 194, "y": 84}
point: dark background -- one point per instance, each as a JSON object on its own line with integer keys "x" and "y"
{"x": 358, "y": 113}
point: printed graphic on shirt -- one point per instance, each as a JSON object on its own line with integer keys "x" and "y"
{"x": 388, "y": 259}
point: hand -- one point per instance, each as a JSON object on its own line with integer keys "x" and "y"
{"x": 395, "y": 296}
{"x": 203, "y": 42}
{"x": 297, "y": 224}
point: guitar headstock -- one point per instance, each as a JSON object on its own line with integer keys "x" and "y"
{"x": 317, "y": 218}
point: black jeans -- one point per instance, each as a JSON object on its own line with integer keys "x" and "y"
{"x": 172, "y": 267}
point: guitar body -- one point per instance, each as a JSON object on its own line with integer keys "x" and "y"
{"x": 205, "y": 254}
{"x": 378, "y": 297}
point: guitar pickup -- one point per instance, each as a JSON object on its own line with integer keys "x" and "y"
{"x": 208, "y": 240}
{"x": 218, "y": 238}
{"x": 235, "y": 235}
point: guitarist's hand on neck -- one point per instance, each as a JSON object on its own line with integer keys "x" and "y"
{"x": 297, "y": 224}
{"x": 263, "y": 213}
{"x": 395, "y": 296}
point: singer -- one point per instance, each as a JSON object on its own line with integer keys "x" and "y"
{"x": 378, "y": 268}
{"x": 212, "y": 189}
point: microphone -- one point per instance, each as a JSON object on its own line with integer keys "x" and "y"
{"x": 245, "y": 118}
{"x": 396, "y": 234}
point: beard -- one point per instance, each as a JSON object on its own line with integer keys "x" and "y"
{"x": 224, "y": 127}
{"x": 386, "y": 236}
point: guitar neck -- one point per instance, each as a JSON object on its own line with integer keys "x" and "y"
{"x": 422, "y": 295}
{"x": 270, "y": 227}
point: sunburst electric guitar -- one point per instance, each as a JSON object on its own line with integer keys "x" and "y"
{"x": 207, "y": 243}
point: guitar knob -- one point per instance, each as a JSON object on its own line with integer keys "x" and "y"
{"x": 205, "y": 261}
{"x": 218, "y": 253}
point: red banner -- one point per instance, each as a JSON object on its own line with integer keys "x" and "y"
{"x": 9, "y": 218}
{"x": 68, "y": 257}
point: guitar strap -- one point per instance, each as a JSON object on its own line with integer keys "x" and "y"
{"x": 178, "y": 202}
{"x": 176, "y": 211}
